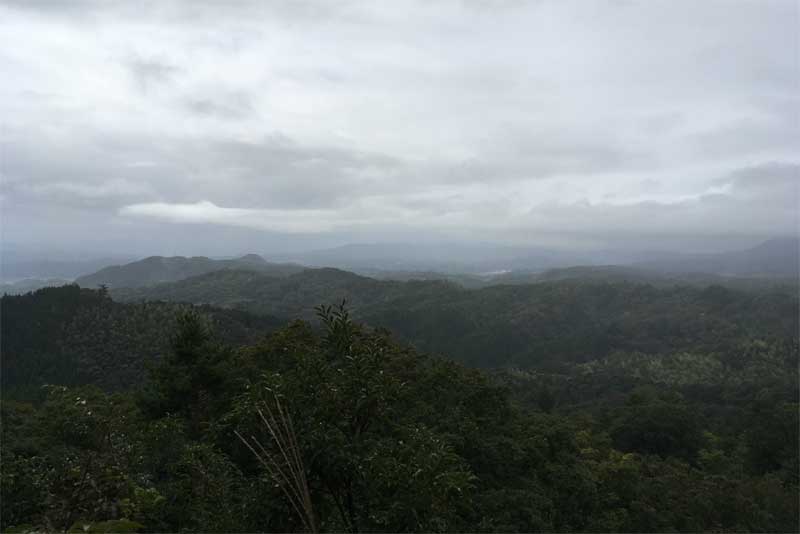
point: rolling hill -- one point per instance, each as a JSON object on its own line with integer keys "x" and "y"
{"x": 21, "y": 287}
{"x": 507, "y": 325}
{"x": 159, "y": 269}
{"x": 443, "y": 257}
{"x": 69, "y": 335}
{"x": 642, "y": 275}
{"x": 293, "y": 296}
{"x": 776, "y": 257}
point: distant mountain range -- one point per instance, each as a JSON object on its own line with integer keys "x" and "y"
{"x": 15, "y": 267}
{"x": 159, "y": 269}
{"x": 470, "y": 266}
{"x": 500, "y": 324}
{"x": 518, "y": 319}
{"x": 30, "y": 284}
{"x": 776, "y": 257}
{"x": 642, "y": 275}
{"x": 477, "y": 258}
{"x": 295, "y": 295}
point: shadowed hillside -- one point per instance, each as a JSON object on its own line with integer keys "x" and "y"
{"x": 158, "y": 269}
{"x": 69, "y": 335}
{"x": 369, "y": 429}
{"x": 508, "y": 325}
{"x": 776, "y": 257}
{"x": 293, "y": 296}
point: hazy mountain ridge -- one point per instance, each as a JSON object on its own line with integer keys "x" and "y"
{"x": 295, "y": 295}
{"x": 501, "y": 324}
{"x": 776, "y": 257}
{"x": 160, "y": 269}
{"x": 633, "y": 274}
{"x": 468, "y": 259}
{"x": 476, "y": 266}
{"x": 468, "y": 281}
{"x": 30, "y": 284}
{"x": 18, "y": 266}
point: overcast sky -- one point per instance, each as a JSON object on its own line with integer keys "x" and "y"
{"x": 223, "y": 126}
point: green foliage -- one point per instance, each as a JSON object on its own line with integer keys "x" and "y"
{"x": 544, "y": 325}
{"x": 158, "y": 269}
{"x": 73, "y": 336}
{"x": 372, "y": 465}
{"x": 205, "y": 491}
{"x": 630, "y": 411}
{"x": 117, "y": 526}
{"x": 77, "y": 460}
{"x": 657, "y": 427}
{"x": 772, "y": 440}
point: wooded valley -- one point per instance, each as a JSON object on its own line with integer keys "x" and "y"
{"x": 415, "y": 406}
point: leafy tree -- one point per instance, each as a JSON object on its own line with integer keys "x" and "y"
{"x": 658, "y": 427}
{"x": 655, "y": 418}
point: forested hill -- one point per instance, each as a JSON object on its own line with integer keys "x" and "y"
{"x": 27, "y": 285}
{"x": 653, "y": 276}
{"x": 520, "y": 326}
{"x": 609, "y": 407}
{"x": 292, "y": 296}
{"x": 391, "y": 440}
{"x": 776, "y": 257}
{"x": 546, "y": 324}
{"x": 69, "y": 335}
{"x": 158, "y": 269}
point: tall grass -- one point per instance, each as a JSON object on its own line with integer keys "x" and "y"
{"x": 286, "y": 465}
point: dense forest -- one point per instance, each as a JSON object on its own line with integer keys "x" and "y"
{"x": 72, "y": 336}
{"x": 525, "y": 325}
{"x": 159, "y": 269}
{"x": 600, "y": 407}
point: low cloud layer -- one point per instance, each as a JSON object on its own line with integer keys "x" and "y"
{"x": 288, "y": 221}
{"x": 514, "y": 122}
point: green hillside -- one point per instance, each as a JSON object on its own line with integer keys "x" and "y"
{"x": 509, "y": 325}
{"x": 347, "y": 430}
{"x": 642, "y": 275}
{"x": 293, "y": 296}
{"x": 27, "y": 285}
{"x": 68, "y": 335}
{"x": 158, "y": 269}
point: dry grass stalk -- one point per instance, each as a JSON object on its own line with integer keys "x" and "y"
{"x": 291, "y": 478}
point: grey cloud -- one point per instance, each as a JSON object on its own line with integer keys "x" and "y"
{"x": 761, "y": 201}
{"x": 277, "y": 172}
{"x": 716, "y": 214}
{"x": 650, "y": 185}
{"x": 749, "y": 135}
{"x": 771, "y": 188}
{"x": 538, "y": 157}
{"x": 767, "y": 176}
{"x": 54, "y": 6}
{"x": 455, "y": 118}
{"x": 230, "y": 106}
{"x": 149, "y": 73}
{"x": 272, "y": 172}
{"x": 662, "y": 123}
{"x": 188, "y": 11}
{"x": 90, "y": 193}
